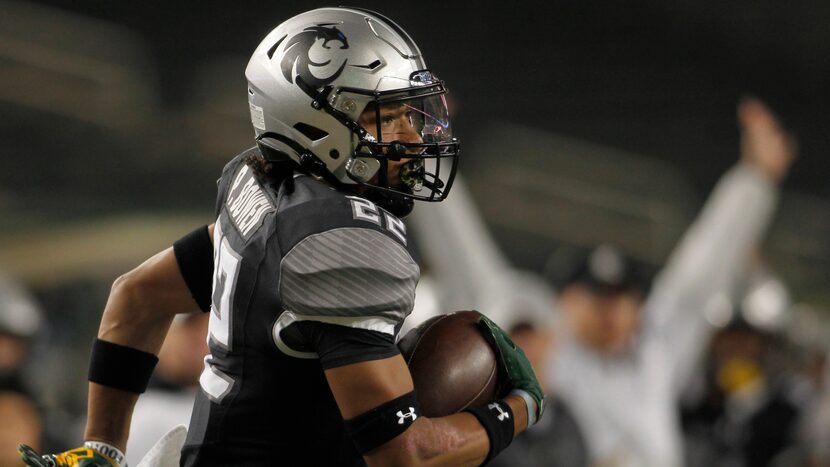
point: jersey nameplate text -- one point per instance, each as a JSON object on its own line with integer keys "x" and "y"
{"x": 246, "y": 203}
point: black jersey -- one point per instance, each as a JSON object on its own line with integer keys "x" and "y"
{"x": 304, "y": 280}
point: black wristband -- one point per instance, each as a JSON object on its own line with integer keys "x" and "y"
{"x": 497, "y": 420}
{"x": 386, "y": 421}
{"x": 120, "y": 367}
{"x": 194, "y": 254}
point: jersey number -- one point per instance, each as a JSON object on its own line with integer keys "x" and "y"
{"x": 365, "y": 210}
{"x": 213, "y": 381}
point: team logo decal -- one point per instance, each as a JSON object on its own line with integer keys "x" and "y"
{"x": 297, "y": 50}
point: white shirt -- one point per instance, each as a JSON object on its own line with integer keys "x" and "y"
{"x": 627, "y": 406}
{"x": 156, "y": 413}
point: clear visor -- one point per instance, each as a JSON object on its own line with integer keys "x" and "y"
{"x": 411, "y": 120}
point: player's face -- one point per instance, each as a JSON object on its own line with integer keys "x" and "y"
{"x": 606, "y": 322}
{"x": 396, "y": 124}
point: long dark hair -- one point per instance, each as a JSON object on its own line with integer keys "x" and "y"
{"x": 272, "y": 172}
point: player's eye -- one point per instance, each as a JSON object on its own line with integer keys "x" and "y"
{"x": 386, "y": 120}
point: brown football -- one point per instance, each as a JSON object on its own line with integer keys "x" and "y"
{"x": 452, "y": 366}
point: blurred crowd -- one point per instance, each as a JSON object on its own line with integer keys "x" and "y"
{"x": 695, "y": 362}
{"x": 29, "y": 417}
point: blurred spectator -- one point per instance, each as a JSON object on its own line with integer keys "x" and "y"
{"x": 746, "y": 418}
{"x": 556, "y": 439}
{"x": 625, "y": 356}
{"x": 168, "y": 401}
{"x": 464, "y": 266}
{"x": 765, "y": 401}
{"x": 21, "y": 424}
{"x": 20, "y": 319}
{"x": 817, "y": 427}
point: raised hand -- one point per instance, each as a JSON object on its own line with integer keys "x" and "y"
{"x": 765, "y": 144}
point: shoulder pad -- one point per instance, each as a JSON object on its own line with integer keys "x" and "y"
{"x": 349, "y": 275}
{"x": 315, "y": 207}
{"x": 344, "y": 258}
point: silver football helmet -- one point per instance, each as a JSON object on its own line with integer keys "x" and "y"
{"x": 321, "y": 86}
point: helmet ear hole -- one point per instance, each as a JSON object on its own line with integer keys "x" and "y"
{"x": 311, "y": 132}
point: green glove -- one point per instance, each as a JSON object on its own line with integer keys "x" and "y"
{"x": 515, "y": 371}
{"x": 78, "y": 457}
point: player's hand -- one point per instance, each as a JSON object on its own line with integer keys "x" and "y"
{"x": 78, "y": 457}
{"x": 765, "y": 144}
{"x": 514, "y": 368}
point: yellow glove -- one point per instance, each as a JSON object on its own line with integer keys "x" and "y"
{"x": 78, "y": 457}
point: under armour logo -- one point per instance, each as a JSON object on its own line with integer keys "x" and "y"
{"x": 403, "y": 416}
{"x": 502, "y": 414}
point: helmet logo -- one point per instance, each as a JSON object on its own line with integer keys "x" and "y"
{"x": 296, "y": 54}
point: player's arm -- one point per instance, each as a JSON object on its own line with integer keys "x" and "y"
{"x": 138, "y": 314}
{"x": 140, "y": 308}
{"x": 717, "y": 246}
{"x": 377, "y": 401}
{"x": 458, "y": 439}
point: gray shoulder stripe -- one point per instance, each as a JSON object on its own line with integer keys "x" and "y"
{"x": 330, "y": 254}
{"x": 349, "y": 272}
{"x": 350, "y": 245}
{"x": 325, "y": 267}
{"x": 351, "y": 284}
{"x": 350, "y": 289}
{"x": 333, "y": 291}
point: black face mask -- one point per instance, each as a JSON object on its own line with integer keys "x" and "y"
{"x": 423, "y": 105}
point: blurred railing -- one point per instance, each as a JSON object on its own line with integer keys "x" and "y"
{"x": 86, "y": 140}
{"x": 569, "y": 191}
{"x": 73, "y": 66}
{"x": 549, "y": 189}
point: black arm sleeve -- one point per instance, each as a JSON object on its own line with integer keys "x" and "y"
{"x": 194, "y": 254}
{"x": 341, "y": 345}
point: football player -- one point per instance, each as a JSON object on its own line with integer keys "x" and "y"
{"x": 311, "y": 273}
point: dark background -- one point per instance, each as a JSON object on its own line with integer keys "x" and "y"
{"x": 117, "y": 117}
{"x": 655, "y": 77}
